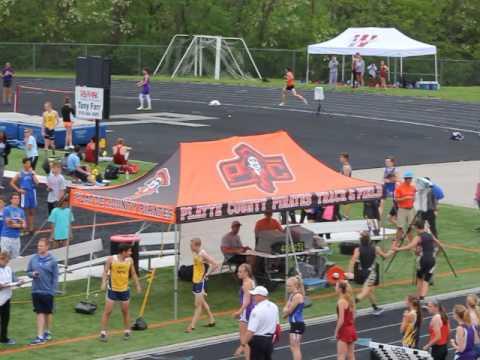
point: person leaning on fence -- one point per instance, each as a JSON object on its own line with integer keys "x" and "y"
{"x": 262, "y": 326}
{"x": 61, "y": 219}
{"x": 43, "y": 269}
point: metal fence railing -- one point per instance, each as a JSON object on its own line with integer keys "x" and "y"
{"x": 128, "y": 59}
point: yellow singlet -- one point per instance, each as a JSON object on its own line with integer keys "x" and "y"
{"x": 198, "y": 269}
{"x": 410, "y": 334}
{"x": 119, "y": 274}
{"x": 50, "y": 119}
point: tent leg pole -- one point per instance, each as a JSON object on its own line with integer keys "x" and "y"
{"x": 436, "y": 69}
{"x": 175, "y": 272}
{"x": 91, "y": 255}
{"x": 343, "y": 69}
{"x": 389, "y": 71}
{"x": 308, "y": 67}
{"x": 401, "y": 70}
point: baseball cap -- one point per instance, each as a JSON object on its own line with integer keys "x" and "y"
{"x": 408, "y": 174}
{"x": 259, "y": 290}
{"x": 236, "y": 223}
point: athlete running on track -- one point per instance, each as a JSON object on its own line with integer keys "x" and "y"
{"x": 290, "y": 87}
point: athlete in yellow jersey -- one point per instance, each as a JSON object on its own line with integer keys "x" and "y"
{"x": 118, "y": 269}
{"x": 50, "y": 121}
{"x": 411, "y": 322}
{"x": 199, "y": 280}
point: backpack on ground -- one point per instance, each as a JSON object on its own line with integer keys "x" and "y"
{"x": 111, "y": 172}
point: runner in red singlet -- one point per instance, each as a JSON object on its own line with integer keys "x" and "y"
{"x": 290, "y": 87}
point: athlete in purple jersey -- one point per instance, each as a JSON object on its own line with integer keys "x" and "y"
{"x": 145, "y": 91}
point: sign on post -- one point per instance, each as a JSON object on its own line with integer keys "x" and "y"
{"x": 88, "y": 103}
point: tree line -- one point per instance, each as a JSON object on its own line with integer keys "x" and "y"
{"x": 452, "y": 25}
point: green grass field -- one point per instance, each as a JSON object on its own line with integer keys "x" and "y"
{"x": 16, "y": 156}
{"x": 75, "y": 334}
{"x": 453, "y": 93}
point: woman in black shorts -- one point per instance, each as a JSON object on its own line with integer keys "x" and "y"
{"x": 425, "y": 245}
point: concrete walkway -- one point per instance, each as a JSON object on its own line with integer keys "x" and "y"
{"x": 457, "y": 179}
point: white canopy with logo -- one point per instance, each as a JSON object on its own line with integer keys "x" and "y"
{"x": 372, "y": 41}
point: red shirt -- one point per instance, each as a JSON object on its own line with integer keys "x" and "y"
{"x": 267, "y": 224}
{"x": 444, "y": 331}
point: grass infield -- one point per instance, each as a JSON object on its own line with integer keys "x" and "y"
{"x": 76, "y": 335}
{"x": 453, "y": 93}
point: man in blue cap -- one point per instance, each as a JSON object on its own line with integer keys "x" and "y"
{"x": 405, "y": 198}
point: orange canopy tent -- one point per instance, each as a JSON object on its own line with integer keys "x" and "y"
{"x": 228, "y": 177}
{"x": 224, "y": 178}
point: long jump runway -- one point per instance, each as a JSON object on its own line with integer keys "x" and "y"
{"x": 317, "y": 344}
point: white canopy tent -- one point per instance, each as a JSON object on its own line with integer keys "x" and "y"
{"x": 372, "y": 41}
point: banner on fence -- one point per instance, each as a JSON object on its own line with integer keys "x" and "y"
{"x": 88, "y": 102}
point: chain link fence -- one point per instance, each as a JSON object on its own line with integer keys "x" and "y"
{"x": 130, "y": 59}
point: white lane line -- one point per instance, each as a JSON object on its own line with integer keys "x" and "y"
{"x": 402, "y": 122}
{"x": 166, "y": 118}
{"x": 146, "y": 122}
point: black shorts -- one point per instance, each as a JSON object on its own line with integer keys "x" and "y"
{"x": 393, "y": 211}
{"x": 51, "y": 206}
{"x": 237, "y": 259}
{"x": 7, "y": 83}
{"x": 49, "y": 134}
{"x": 42, "y": 303}
{"x": 80, "y": 175}
{"x": 425, "y": 268}
{"x": 33, "y": 161}
{"x": 297, "y": 328}
{"x": 290, "y": 87}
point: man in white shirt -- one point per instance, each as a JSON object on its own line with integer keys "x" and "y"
{"x": 31, "y": 147}
{"x": 261, "y": 325}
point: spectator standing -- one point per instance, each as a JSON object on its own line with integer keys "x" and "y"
{"x": 430, "y": 208}
{"x": 50, "y": 122}
{"x": 411, "y": 323}
{"x": 354, "y": 70}
{"x": 13, "y": 222}
{"x": 345, "y": 331}
{"x": 383, "y": 74}
{"x": 43, "y": 269}
{"x": 261, "y": 326}
{"x": 199, "y": 280}
{"x": 56, "y": 186}
{"x": 27, "y": 182}
{"x": 293, "y": 310}
{"x": 438, "y": 330}
{"x": 4, "y": 152}
{"x": 31, "y": 147}
{"x": 118, "y": 269}
{"x": 61, "y": 219}
{"x": 7, "y": 75}
{"x": 144, "y": 84}
{"x": 73, "y": 165}
{"x": 465, "y": 334}
{"x": 333, "y": 68}
{"x": 67, "y": 112}
{"x": 247, "y": 304}
{"x": 359, "y": 69}
{"x": 7, "y": 277}
{"x": 372, "y": 72}
{"x": 405, "y": 198}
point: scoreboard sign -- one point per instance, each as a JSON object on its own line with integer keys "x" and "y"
{"x": 88, "y": 103}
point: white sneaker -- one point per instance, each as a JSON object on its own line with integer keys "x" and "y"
{"x": 72, "y": 147}
{"x": 148, "y": 108}
{"x": 281, "y": 104}
{"x": 66, "y": 147}
{"x": 140, "y": 108}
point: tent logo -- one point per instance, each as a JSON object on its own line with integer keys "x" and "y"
{"x": 249, "y": 167}
{"x": 153, "y": 184}
{"x": 362, "y": 40}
